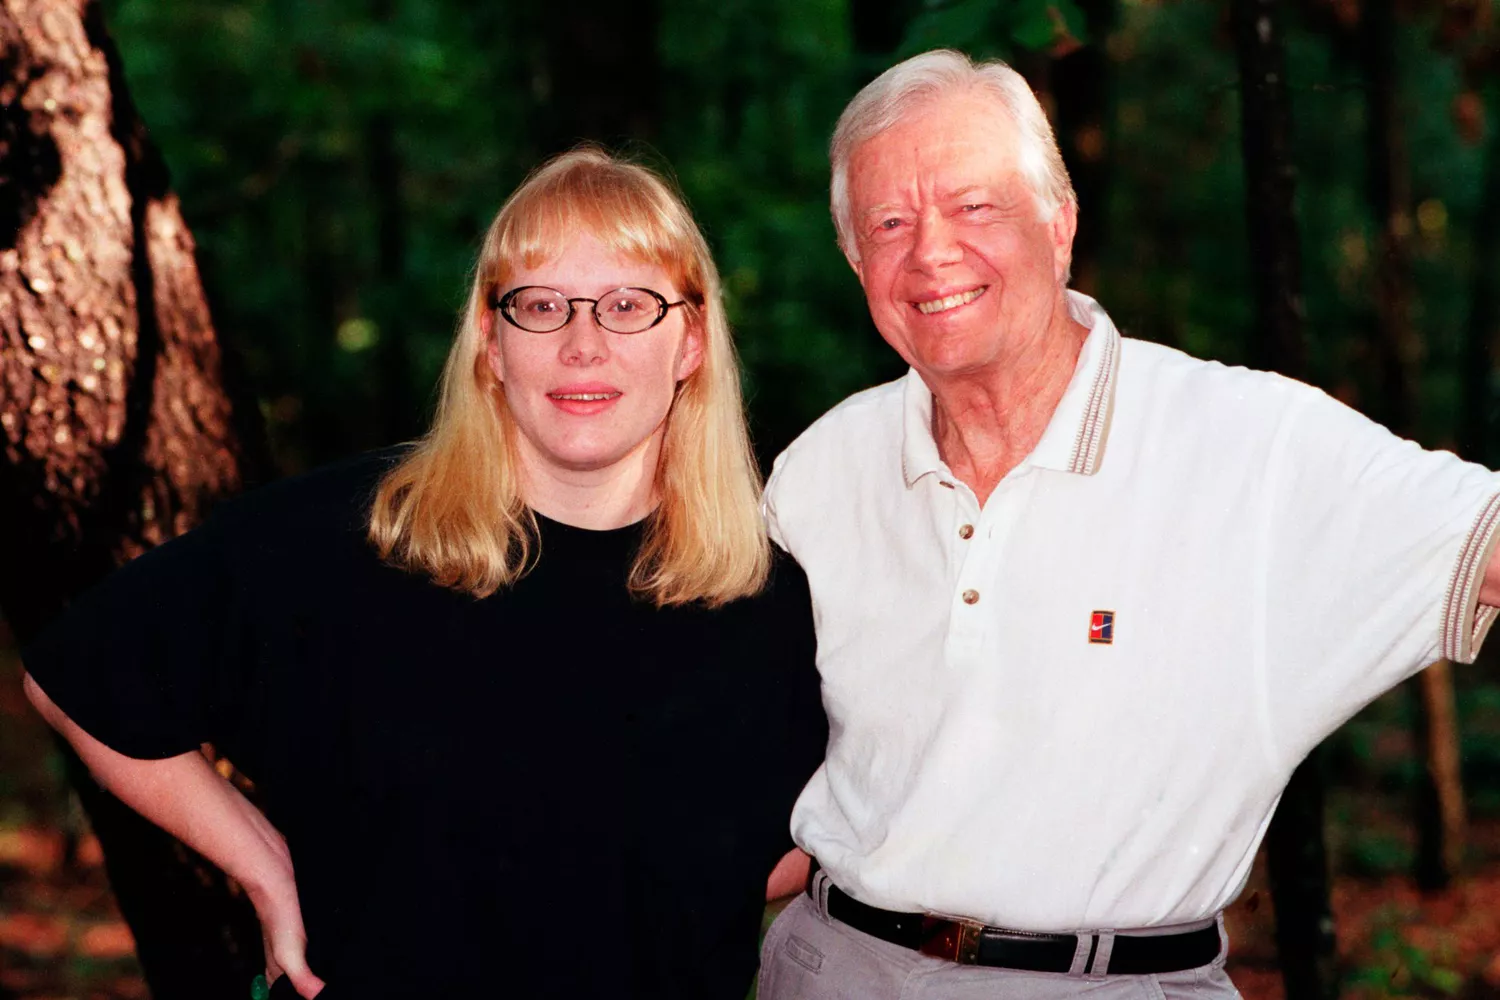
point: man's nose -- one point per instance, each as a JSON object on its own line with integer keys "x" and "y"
{"x": 584, "y": 341}
{"x": 936, "y": 242}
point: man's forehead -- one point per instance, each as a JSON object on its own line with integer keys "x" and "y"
{"x": 934, "y": 174}
{"x": 955, "y": 143}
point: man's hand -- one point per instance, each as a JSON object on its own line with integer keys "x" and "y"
{"x": 789, "y": 877}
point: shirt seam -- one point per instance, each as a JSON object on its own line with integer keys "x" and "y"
{"x": 1464, "y": 622}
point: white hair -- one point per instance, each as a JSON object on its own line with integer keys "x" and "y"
{"x": 918, "y": 81}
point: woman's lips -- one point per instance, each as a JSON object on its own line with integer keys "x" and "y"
{"x": 584, "y": 400}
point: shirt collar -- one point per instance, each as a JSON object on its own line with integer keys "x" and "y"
{"x": 1075, "y": 436}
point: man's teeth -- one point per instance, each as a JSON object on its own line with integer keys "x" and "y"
{"x": 586, "y": 397}
{"x": 951, "y": 302}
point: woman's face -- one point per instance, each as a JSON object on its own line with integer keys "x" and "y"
{"x": 586, "y": 399}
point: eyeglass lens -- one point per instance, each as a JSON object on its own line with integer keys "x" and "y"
{"x": 625, "y": 310}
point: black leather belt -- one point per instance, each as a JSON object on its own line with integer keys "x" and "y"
{"x": 973, "y": 943}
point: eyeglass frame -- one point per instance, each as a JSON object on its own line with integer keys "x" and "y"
{"x": 499, "y": 303}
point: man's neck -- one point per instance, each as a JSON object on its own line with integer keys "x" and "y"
{"x": 987, "y": 422}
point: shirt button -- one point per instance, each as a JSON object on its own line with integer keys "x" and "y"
{"x": 971, "y": 597}
{"x": 966, "y": 532}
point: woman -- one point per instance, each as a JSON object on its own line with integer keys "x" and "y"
{"x": 529, "y": 701}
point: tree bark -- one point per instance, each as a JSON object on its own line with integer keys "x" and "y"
{"x": 601, "y": 77}
{"x": 1477, "y": 401}
{"x": 1270, "y": 183}
{"x": 1080, "y": 87}
{"x": 1442, "y": 817}
{"x": 116, "y": 419}
{"x": 1295, "y": 843}
{"x": 877, "y": 28}
{"x": 1388, "y": 186}
{"x": 1439, "y": 800}
{"x": 399, "y": 412}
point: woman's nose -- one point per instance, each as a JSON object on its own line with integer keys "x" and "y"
{"x": 584, "y": 341}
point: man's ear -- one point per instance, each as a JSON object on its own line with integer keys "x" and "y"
{"x": 491, "y": 344}
{"x": 1064, "y": 227}
{"x": 859, "y": 271}
{"x": 690, "y": 355}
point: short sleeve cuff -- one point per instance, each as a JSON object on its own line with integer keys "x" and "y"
{"x": 1465, "y": 620}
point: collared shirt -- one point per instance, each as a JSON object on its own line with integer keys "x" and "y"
{"x": 1077, "y": 705}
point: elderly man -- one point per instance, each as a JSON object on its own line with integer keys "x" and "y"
{"x": 1083, "y": 602}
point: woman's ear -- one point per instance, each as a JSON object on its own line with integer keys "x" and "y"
{"x": 690, "y": 354}
{"x": 491, "y": 344}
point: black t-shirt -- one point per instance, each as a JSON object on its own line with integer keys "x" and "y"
{"x": 557, "y": 791}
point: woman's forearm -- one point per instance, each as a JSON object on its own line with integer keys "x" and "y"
{"x": 185, "y": 796}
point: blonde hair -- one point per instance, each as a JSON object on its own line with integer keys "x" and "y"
{"x": 914, "y": 83}
{"x": 454, "y": 508}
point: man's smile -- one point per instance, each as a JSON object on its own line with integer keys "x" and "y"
{"x": 948, "y": 302}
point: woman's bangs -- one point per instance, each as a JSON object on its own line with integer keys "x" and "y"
{"x": 624, "y": 220}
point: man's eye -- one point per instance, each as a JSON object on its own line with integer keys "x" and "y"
{"x": 974, "y": 207}
{"x": 889, "y": 224}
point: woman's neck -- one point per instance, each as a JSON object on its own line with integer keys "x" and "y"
{"x": 621, "y": 493}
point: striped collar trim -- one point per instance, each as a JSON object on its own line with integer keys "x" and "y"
{"x": 1099, "y": 406}
{"x": 1076, "y": 435}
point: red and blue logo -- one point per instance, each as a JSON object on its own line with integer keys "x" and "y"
{"x": 1102, "y": 627}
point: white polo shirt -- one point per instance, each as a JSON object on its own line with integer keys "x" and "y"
{"x": 1262, "y": 560}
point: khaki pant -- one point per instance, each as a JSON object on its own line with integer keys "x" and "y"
{"x": 808, "y": 956}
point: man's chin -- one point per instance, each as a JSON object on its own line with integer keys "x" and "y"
{"x": 948, "y": 365}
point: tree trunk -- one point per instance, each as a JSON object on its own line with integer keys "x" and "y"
{"x": 601, "y": 77}
{"x": 1297, "y": 862}
{"x": 399, "y": 412}
{"x": 1439, "y": 802}
{"x": 115, "y": 417}
{"x": 1080, "y": 87}
{"x": 1442, "y": 818}
{"x": 877, "y": 28}
{"x": 1295, "y": 842}
{"x": 1476, "y": 415}
{"x": 1270, "y": 182}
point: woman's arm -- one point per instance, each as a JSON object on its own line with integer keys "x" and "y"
{"x": 185, "y": 796}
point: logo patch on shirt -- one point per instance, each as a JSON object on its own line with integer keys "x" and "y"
{"x": 1102, "y": 627}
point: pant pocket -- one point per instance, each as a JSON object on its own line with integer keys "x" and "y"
{"x": 790, "y": 964}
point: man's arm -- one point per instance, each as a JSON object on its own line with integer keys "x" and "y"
{"x": 1489, "y": 589}
{"x": 185, "y": 796}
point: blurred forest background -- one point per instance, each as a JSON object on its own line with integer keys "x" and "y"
{"x": 337, "y": 162}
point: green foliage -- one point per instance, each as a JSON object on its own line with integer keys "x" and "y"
{"x": 1400, "y": 968}
{"x": 754, "y": 90}
{"x": 338, "y": 162}
{"x": 996, "y": 28}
